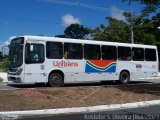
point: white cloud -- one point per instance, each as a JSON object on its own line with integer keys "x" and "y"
{"x": 69, "y": 19}
{"x": 117, "y": 13}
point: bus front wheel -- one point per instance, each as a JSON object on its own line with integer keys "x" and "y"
{"x": 124, "y": 78}
{"x": 55, "y": 80}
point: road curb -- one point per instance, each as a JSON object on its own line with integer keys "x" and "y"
{"x": 82, "y": 109}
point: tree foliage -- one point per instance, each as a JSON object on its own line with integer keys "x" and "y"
{"x": 75, "y": 31}
{"x": 150, "y": 5}
{"x": 4, "y": 64}
{"x": 147, "y": 2}
{"x": 116, "y": 31}
{"x": 145, "y": 29}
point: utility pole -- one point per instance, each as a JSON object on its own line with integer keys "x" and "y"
{"x": 132, "y": 32}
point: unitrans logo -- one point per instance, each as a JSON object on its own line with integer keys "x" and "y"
{"x": 65, "y": 64}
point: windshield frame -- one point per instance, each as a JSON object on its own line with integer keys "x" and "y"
{"x": 16, "y": 52}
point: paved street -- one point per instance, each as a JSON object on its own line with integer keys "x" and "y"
{"x": 148, "y": 113}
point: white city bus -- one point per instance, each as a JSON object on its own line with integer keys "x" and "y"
{"x": 56, "y": 61}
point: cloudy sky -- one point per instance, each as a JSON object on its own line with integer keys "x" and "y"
{"x": 51, "y": 17}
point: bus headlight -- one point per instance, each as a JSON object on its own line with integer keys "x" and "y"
{"x": 19, "y": 71}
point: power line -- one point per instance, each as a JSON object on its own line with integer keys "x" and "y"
{"x": 36, "y": 20}
{"x": 79, "y": 4}
{"x": 85, "y": 5}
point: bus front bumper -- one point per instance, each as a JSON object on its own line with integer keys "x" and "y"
{"x": 14, "y": 78}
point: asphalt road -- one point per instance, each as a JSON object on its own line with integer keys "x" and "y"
{"x": 146, "y": 113}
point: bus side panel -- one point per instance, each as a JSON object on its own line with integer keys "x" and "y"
{"x": 73, "y": 70}
{"x": 135, "y": 68}
{"x": 101, "y": 70}
{"x": 151, "y": 68}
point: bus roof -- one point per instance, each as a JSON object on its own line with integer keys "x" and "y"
{"x": 44, "y": 38}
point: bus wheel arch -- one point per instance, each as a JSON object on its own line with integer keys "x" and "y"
{"x": 124, "y": 77}
{"x": 56, "y": 78}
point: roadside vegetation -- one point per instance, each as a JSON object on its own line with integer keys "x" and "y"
{"x": 4, "y": 64}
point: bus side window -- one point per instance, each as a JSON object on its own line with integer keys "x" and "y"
{"x": 109, "y": 52}
{"x": 92, "y": 52}
{"x": 73, "y": 51}
{"x": 124, "y": 53}
{"x": 54, "y": 50}
{"x": 137, "y": 54}
{"x": 150, "y": 54}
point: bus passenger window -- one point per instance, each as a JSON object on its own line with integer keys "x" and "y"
{"x": 124, "y": 53}
{"x": 109, "y": 52}
{"x": 54, "y": 50}
{"x": 138, "y": 54}
{"x": 150, "y": 54}
{"x": 92, "y": 52}
{"x": 73, "y": 51}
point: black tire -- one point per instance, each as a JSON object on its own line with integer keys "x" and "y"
{"x": 124, "y": 78}
{"x": 55, "y": 80}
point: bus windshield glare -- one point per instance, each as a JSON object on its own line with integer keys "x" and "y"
{"x": 16, "y": 52}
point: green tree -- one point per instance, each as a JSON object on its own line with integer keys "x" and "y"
{"x": 150, "y": 5}
{"x": 100, "y": 33}
{"x": 4, "y": 64}
{"x": 120, "y": 31}
{"x": 75, "y": 31}
{"x": 116, "y": 31}
{"x": 156, "y": 23}
{"x": 140, "y": 27}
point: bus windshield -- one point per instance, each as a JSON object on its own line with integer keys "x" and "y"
{"x": 16, "y": 53}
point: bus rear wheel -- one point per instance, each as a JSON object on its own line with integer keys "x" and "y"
{"x": 55, "y": 80}
{"x": 124, "y": 78}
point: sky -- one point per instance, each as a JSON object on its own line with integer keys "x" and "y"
{"x": 51, "y": 17}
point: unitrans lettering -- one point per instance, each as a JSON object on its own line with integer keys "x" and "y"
{"x": 65, "y": 64}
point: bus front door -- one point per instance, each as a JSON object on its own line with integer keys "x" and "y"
{"x": 34, "y": 63}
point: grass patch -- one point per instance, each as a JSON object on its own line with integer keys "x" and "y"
{"x": 55, "y": 93}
